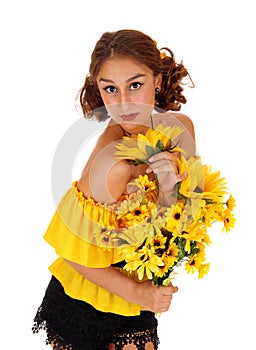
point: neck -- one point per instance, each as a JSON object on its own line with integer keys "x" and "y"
{"x": 126, "y": 133}
{"x": 143, "y": 128}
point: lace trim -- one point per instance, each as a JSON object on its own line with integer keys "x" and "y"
{"x": 139, "y": 339}
{"x": 58, "y": 342}
{"x": 51, "y": 337}
{"x": 74, "y": 325}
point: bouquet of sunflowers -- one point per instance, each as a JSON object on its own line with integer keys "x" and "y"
{"x": 161, "y": 239}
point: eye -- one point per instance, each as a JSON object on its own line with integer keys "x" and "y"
{"x": 136, "y": 85}
{"x": 110, "y": 89}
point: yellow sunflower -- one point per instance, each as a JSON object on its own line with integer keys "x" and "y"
{"x": 132, "y": 201}
{"x": 231, "y": 202}
{"x": 162, "y": 134}
{"x": 214, "y": 186}
{"x": 142, "y": 182}
{"x": 106, "y": 237}
{"x": 162, "y": 270}
{"x": 211, "y": 213}
{"x": 192, "y": 185}
{"x": 207, "y": 215}
{"x": 195, "y": 262}
{"x": 152, "y": 266}
{"x": 157, "y": 241}
{"x": 228, "y": 220}
{"x": 136, "y": 214}
{"x": 195, "y": 232}
{"x": 132, "y": 148}
{"x": 206, "y": 239}
{"x": 134, "y": 261}
{"x": 203, "y": 270}
{"x": 144, "y": 261}
{"x": 139, "y": 148}
{"x": 170, "y": 256}
{"x": 148, "y": 187}
{"x": 174, "y": 215}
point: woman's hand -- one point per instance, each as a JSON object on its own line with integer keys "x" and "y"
{"x": 164, "y": 165}
{"x": 149, "y": 297}
{"x": 153, "y": 298}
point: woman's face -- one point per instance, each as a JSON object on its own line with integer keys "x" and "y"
{"x": 127, "y": 88}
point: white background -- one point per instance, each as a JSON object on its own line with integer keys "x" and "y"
{"x": 45, "y": 53}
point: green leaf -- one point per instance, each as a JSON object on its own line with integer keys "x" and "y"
{"x": 193, "y": 248}
{"x": 181, "y": 245}
{"x": 149, "y": 151}
{"x": 136, "y": 161}
{"x": 160, "y": 146}
{"x": 170, "y": 147}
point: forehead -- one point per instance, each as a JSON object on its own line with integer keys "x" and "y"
{"x": 122, "y": 66}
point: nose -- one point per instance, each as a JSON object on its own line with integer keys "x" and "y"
{"x": 125, "y": 101}
{"x": 124, "y": 97}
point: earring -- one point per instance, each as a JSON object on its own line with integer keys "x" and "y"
{"x": 157, "y": 90}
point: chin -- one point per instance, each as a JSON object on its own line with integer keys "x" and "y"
{"x": 135, "y": 128}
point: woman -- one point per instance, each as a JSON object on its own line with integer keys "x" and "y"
{"x": 91, "y": 303}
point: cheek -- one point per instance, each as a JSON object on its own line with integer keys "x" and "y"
{"x": 105, "y": 99}
{"x": 148, "y": 97}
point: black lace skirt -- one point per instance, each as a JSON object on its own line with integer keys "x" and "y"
{"x": 72, "y": 324}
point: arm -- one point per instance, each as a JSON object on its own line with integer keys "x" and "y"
{"x": 149, "y": 297}
{"x": 105, "y": 179}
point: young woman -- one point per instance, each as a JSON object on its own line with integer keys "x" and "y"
{"x": 90, "y": 302}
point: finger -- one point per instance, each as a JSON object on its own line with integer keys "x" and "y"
{"x": 161, "y": 168}
{"x": 164, "y": 155}
{"x": 166, "y": 168}
{"x": 181, "y": 177}
{"x": 167, "y": 299}
{"x": 164, "y": 307}
{"x": 163, "y": 165}
{"x": 149, "y": 170}
{"x": 171, "y": 285}
{"x": 167, "y": 291}
{"x": 175, "y": 289}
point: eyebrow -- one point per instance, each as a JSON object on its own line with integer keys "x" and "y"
{"x": 139, "y": 75}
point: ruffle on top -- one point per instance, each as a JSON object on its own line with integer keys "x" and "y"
{"x": 71, "y": 230}
{"x": 72, "y": 233}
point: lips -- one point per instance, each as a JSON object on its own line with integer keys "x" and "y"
{"x": 128, "y": 117}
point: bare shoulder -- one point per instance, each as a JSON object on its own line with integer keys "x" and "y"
{"x": 176, "y": 118}
{"x": 187, "y": 138}
{"x": 104, "y": 177}
{"x": 187, "y": 123}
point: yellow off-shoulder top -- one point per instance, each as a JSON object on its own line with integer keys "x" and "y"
{"x": 72, "y": 234}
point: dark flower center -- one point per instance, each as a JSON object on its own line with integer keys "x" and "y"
{"x": 177, "y": 216}
{"x": 192, "y": 262}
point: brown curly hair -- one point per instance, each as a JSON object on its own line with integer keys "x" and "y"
{"x": 139, "y": 46}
